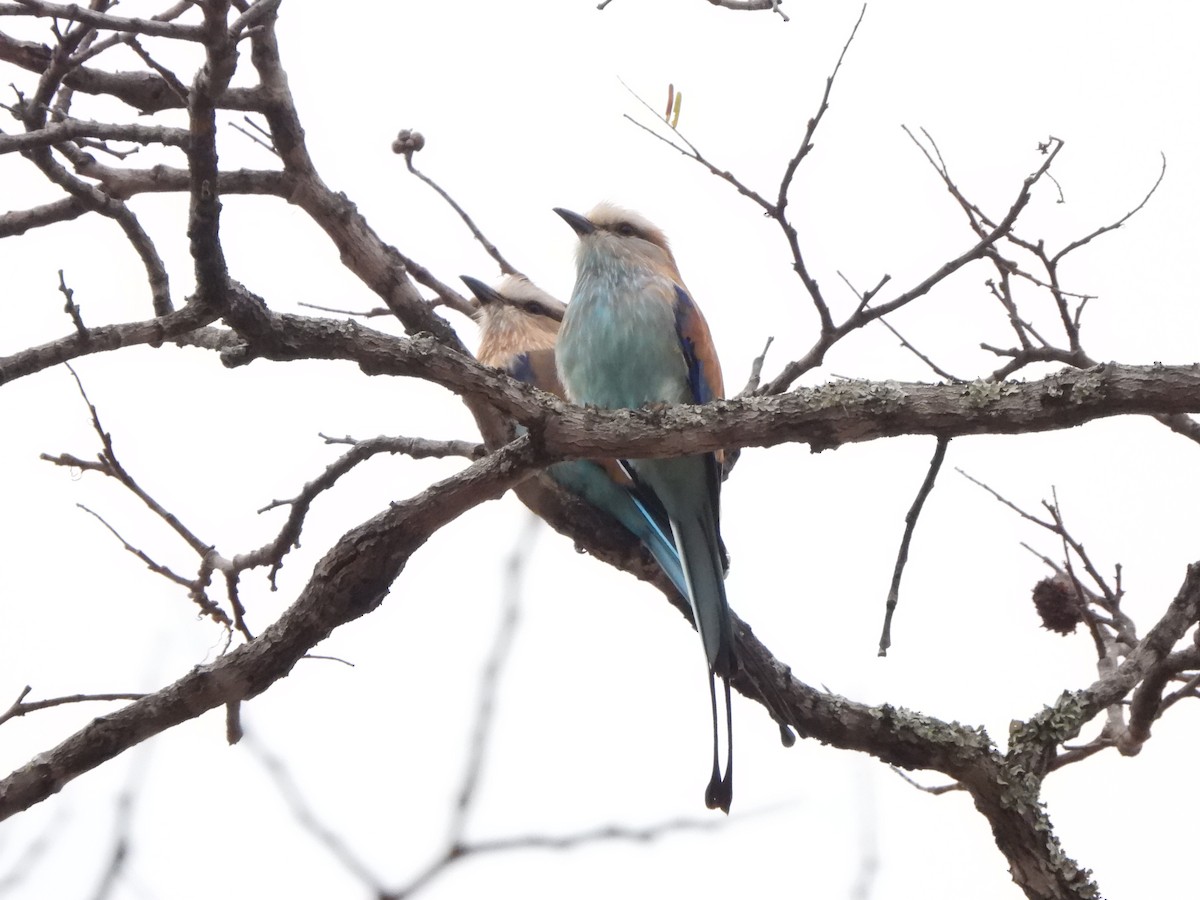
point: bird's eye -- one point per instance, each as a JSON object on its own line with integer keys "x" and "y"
{"x": 536, "y": 309}
{"x": 626, "y": 230}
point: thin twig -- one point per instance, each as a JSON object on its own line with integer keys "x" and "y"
{"x": 1071, "y": 755}
{"x": 368, "y": 314}
{"x": 153, "y": 566}
{"x": 268, "y": 144}
{"x": 689, "y": 150}
{"x": 305, "y": 815}
{"x": 409, "y": 142}
{"x": 289, "y": 535}
{"x": 936, "y": 790}
{"x": 756, "y": 370}
{"x": 1076, "y": 244}
{"x": 110, "y": 466}
{"x": 490, "y": 678}
{"x": 18, "y": 869}
{"x": 904, "y": 342}
{"x": 20, "y": 708}
{"x": 910, "y": 524}
{"x": 865, "y": 299}
{"x": 71, "y": 308}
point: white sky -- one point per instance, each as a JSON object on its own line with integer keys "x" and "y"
{"x": 603, "y": 712}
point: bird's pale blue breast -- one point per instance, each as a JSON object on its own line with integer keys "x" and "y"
{"x": 618, "y": 346}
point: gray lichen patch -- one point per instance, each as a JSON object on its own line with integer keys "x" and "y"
{"x": 980, "y": 393}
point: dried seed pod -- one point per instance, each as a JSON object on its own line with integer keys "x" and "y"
{"x": 1056, "y": 604}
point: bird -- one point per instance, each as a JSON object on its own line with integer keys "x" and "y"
{"x": 519, "y": 325}
{"x": 632, "y": 336}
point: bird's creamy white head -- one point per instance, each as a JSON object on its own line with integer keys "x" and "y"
{"x": 525, "y": 318}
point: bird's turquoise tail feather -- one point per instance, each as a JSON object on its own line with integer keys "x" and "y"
{"x": 591, "y": 482}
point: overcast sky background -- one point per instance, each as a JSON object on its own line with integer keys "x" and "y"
{"x": 603, "y": 713}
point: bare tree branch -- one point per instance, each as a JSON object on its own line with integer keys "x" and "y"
{"x": 289, "y": 535}
{"x": 20, "y": 707}
{"x": 309, "y": 819}
{"x": 409, "y": 142}
{"x": 346, "y": 584}
{"x": 75, "y": 13}
{"x": 1136, "y": 679}
{"x": 910, "y": 524}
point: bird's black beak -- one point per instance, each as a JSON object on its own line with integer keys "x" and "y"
{"x": 484, "y": 293}
{"x": 580, "y": 224}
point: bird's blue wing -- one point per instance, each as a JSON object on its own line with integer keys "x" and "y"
{"x": 696, "y": 343}
{"x": 705, "y": 383}
{"x": 536, "y": 367}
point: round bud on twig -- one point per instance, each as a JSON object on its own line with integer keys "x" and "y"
{"x": 408, "y": 142}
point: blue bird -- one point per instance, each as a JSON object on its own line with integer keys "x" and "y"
{"x": 519, "y": 325}
{"x": 632, "y": 336}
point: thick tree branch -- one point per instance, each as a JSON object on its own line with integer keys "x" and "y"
{"x": 350, "y": 581}
{"x": 359, "y": 570}
{"x": 381, "y": 267}
{"x": 204, "y": 212}
{"x": 823, "y": 417}
{"x": 147, "y": 92}
{"x": 74, "y": 129}
{"x": 100, "y": 20}
{"x": 19, "y": 221}
{"x": 188, "y": 320}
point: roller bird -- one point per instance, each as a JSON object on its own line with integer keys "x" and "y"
{"x": 519, "y": 324}
{"x": 632, "y": 336}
